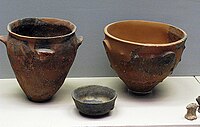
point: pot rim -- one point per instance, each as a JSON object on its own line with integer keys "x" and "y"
{"x": 50, "y": 18}
{"x": 98, "y": 86}
{"x": 143, "y": 44}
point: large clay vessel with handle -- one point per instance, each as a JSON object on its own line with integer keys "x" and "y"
{"x": 41, "y": 52}
{"x": 143, "y": 53}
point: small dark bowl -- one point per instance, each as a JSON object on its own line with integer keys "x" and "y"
{"x": 94, "y": 100}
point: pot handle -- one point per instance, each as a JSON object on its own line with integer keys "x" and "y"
{"x": 158, "y": 63}
{"x": 3, "y": 39}
{"x": 79, "y": 41}
{"x": 167, "y": 58}
{"x": 106, "y": 44}
{"x": 44, "y": 54}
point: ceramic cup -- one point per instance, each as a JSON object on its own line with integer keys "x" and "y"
{"x": 41, "y": 52}
{"x": 143, "y": 53}
{"x": 94, "y": 100}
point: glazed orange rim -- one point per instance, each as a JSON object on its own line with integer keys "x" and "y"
{"x": 29, "y": 37}
{"x": 132, "y": 42}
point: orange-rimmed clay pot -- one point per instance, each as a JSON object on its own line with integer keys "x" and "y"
{"x": 41, "y": 52}
{"x": 143, "y": 53}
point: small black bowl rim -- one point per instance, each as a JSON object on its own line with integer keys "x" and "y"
{"x": 83, "y": 87}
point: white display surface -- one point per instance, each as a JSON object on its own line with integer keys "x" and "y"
{"x": 166, "y": 105}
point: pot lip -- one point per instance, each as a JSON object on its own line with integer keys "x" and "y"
{"x": 30, "y": 37}
{"x": 143, "y": 44}
{"x": 89, "y": 86}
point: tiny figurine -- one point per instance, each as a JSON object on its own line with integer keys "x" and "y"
{"x": 191, "y": 111}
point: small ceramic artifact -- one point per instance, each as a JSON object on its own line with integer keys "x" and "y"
{"x": 198, "y": 101}
{"x": 94, "y": 100}
{"x": 191, "y": 111}
{"x": 143, "y": 53}
{"x": 41, "y": 52}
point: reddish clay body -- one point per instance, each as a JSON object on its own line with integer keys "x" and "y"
{"x": 41, "y": 52}
{"x": 143, "y": 53}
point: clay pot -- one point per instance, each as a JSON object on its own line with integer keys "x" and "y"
{"x": 41, "y": 52}
{"x": 94, "y": 100}
{"x": 143, "y": 53}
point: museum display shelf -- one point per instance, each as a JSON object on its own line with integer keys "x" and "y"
{"x": 165, "y": 106}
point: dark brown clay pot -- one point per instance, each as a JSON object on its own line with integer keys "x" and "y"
{"x": 41, "y": 52}
{"x": 143, "y": 53}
